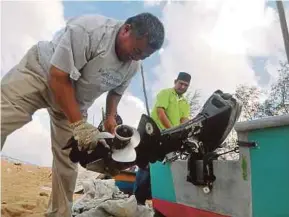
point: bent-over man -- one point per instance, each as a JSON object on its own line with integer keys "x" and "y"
{"x": 90, "y": 56}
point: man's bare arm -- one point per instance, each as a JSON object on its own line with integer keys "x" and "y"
{"x": 64, "y": 94}
{"x": 112, "y": 101}
{"x": 163, "y": 118}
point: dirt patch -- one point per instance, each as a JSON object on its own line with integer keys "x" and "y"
{"x": 25, "y": 189}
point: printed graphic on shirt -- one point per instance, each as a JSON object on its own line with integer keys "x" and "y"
{"x": 110, "y": 78}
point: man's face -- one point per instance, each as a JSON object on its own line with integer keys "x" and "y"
{"x": 131, "y": 48}
{"x": 181, "y": 86}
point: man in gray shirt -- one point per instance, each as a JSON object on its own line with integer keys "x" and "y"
{"x": 90, "y": 56}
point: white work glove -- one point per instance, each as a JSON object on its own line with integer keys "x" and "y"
{"x": 86, "y": 135}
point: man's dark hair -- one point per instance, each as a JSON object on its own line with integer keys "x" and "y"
{"x": 148, "y": 25}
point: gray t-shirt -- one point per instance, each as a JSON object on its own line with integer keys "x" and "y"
{"x": 85, "y": 49}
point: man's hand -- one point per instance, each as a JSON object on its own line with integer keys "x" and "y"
{"x": 86, "y": 135}
{"x": 110, "y": 124}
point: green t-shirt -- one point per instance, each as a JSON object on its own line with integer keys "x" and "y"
{"x": 176, "y": 107}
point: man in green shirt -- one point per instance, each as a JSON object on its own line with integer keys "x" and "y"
{"x": 170, "y": 110}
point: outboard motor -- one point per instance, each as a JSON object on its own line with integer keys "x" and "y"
{"x": 195, "y": 140}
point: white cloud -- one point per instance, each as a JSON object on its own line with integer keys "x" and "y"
{"x": 151, "y": 3}
{"x": 213, "y": 41}
{"x": 23, "y": 23}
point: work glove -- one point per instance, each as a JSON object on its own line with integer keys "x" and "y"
{"x": 87, "y": 135}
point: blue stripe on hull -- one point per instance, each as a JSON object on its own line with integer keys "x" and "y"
{"x": 162, "y": 182}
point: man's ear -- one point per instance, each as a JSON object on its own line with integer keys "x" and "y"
{"x": 175, "y": 81}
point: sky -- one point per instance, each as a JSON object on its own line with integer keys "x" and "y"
{"x": 221, "y": 43}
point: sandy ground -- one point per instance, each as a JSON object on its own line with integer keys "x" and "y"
{"x": 25, "y": 189}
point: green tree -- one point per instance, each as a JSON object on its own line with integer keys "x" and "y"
{"x": 250, "y": 98}
{"x": 278, "y": 101}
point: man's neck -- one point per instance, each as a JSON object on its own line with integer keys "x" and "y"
{"x": 179, "y": 94}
